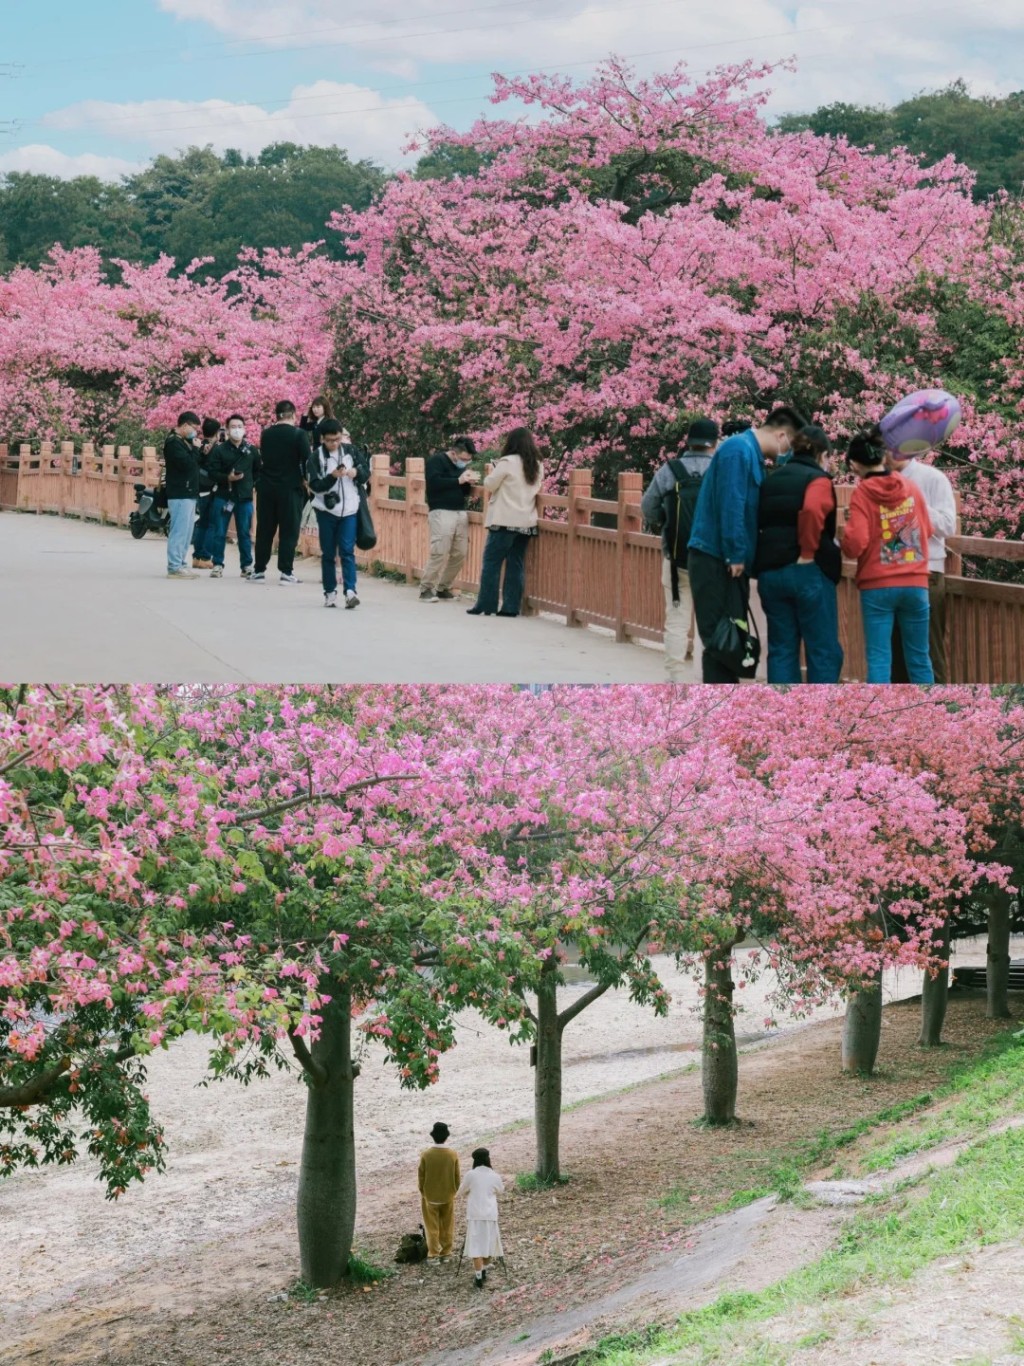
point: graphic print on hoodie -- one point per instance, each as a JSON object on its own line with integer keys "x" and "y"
{"x": 901, "y": 534}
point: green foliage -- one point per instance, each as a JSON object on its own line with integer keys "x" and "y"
{"x": 530, "y": 1181}
{"x": 361, "y": 1271}
{"x": 192, "y": 205}
{"x": 983, "y": 132}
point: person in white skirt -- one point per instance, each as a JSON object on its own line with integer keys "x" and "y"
{"x": 483, "y": 1238}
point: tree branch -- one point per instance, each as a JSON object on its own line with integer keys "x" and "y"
{"x": 309, "y": 1064}
{"x": 41, "y": 1087}
{"x": 309, "y": 798}
{"x": 588, "y": 998}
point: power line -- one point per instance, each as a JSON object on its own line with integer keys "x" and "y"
{"x": 287, "y": 101}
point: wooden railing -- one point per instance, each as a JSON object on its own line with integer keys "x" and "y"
{"x": 606, "y": 574}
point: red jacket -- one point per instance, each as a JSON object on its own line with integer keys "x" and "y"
{"x": 887, "y": 533}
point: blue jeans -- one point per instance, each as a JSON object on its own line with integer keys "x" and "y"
{"x": 506, "y": 548}
{"x": 799, "y": 602}
{"x": 880, "y": 609}
{"x": 337, "y": 541}
{"x": 203, "y": 533}
{"x": 183, "y": 514}
{"x": 221, "y": 523}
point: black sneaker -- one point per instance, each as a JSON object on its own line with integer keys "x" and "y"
{"x": 258, "y": 576}
{"x": 478, "y": 1280}
{"x": 446, "y": 595}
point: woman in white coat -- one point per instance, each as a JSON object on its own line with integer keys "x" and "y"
{"x": 514, "y": 484}
{"x": 483, "y": 1238}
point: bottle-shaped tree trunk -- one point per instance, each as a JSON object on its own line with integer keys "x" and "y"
{"x": 327, "y": 1179}
{"x": 862, "y": 1028}
{"x": 934, "y": 996}
{"x": 719, "y": 1066}
{"x": 548, "y": 1079}
{"x": 997, "y": 965}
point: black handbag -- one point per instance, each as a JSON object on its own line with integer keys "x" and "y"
{"x": 366, "y": 535}
{"x": 735, "y": 643}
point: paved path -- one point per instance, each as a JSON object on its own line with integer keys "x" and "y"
{"x": 85, "y": 603}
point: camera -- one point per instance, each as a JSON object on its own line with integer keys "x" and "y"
{"x": 331, "y": 500}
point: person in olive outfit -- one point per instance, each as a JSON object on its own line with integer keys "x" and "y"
{"x": 234, "y": 466}
{"x": 280, "y": 493}
{"x": 181, "y": 481}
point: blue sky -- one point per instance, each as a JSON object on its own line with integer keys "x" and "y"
{"x": 103, "y": 85}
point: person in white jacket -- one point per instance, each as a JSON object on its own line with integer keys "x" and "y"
{"x": 514, "y": 485}
{"x": 334, "y": 474}
{"x": 483, "y": 1237}
{"x": 941, "y": 503}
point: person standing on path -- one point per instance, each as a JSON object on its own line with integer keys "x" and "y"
{"x": 336, "y": 473}
{"x": 887, "y": 531}
{"x": 723, "y": 543}
{"x": 940, "y": 501}
{"x": 668, "y": 506}
{"x": 234, "y": 466}
{"x": 514, "y": 485}
{"x": 181, "y": 480}
{"x": 204, "y": 531}
{"x": 450, "y": 485}
{"x": 798, "y": 564}
{"x": 483, "y": 1237}
{"x": 280, "y": 493}
{"x": 439, "y": 1182}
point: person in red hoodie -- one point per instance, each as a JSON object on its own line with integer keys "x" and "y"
{"x": 887, "y": 534}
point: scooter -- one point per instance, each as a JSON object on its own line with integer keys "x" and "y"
{"x": 151, "y": 513}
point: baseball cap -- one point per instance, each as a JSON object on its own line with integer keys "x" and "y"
{"x": 702, "y": 435}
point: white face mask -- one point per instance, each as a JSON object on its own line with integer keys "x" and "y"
{"x": 236, "y": 432}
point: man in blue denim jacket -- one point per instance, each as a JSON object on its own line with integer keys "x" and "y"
{"x": 723, "y": 541}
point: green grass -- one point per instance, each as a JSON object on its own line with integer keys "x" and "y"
{"x": 978, "y": 1200}
{"x": 364, "y": 1272}
{"x": 300, "y": 1290}
{"x": 530, "y": 1181}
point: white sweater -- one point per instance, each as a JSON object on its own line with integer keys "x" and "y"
{"x": 346, "y": 488}
{"x": 483, "y": 1186}
{"x": 941, "y": 504}
{"x": 513, "y": 501}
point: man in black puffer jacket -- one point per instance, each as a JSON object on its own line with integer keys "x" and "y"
{"x": 280, "y": 493}
{"x": 234, "y": 467}
{"x": 181, "y": 481}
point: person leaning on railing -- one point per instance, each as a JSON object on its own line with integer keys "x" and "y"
{"x": 514, "y": 484}
{"x": 181, "y": 482}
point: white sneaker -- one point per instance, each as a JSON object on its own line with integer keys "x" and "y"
{"x": 350, "y": 599}
{"x": 217, "y": 572}
{"x": 330, "y": 599}
{"x": 255, "y": 577}
{"x": 290, "y": 578}
{"x": 181, "y": 574}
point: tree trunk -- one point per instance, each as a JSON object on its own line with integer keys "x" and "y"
{"x": 327, "y": 1178}
{"x": 720, "y": 1068}
{"x": 548, "y": 1081}
{"x": 934, "y": 995}
{"x": 862, "y": 1028}
{"x": 997, "y": 966}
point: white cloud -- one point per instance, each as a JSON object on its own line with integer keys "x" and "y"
{"x": 44, "y": 160}
{"x": 361, "y": 120}
{"x": 871, "y": 53}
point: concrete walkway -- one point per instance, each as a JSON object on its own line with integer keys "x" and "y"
{"x": 85, "y": 603}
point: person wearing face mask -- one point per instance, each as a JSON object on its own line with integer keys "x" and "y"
{"x": 234, "y": 467}
{"x": 450, "y": 485}
{"x": 723, "y": 541}
{"x": 335, "y": 472}
{"x": 181, "y": 481}
{"x": 202, "y": 535}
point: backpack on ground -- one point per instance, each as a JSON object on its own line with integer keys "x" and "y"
{"x": 413, "y": 1247}
{"x": 678, "y": 505}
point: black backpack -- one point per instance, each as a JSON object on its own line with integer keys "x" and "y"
{"x": 676, "y": 518}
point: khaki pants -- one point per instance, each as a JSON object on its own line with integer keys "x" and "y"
{"x": 449, "y": 541}
{"x": 679, "y": 624}
{"x": 439, "y": 1222}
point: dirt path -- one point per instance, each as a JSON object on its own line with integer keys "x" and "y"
{"x": 183, "y": 1271}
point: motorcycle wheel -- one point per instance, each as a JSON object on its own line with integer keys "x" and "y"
{"x": 137, "y": 528}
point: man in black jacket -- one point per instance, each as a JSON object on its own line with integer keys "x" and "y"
{"x": 181, "y": 481}
{"x": 450, "y": 485}
{"x": 280, "y": 493}
{"x": 234, "y": 467}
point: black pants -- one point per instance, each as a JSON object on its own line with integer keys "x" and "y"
{"x": 508, "y": 548}
{"x": 278, "y": 513}
{"x": 710, "y": 587}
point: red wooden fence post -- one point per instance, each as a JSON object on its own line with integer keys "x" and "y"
{"x": 415, "y": 498}
{"x": 580, "y": 486}
{"x": 631, "y": 488}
